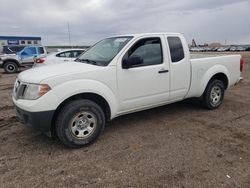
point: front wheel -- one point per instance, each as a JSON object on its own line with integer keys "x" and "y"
{"x": 214, "y": 94}
{"x": 10, "y": 67}
{"x": 80, "y": 123}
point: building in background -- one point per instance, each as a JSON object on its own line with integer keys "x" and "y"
{"x": 19, "y": 40}
{"x": 13, "y": 44}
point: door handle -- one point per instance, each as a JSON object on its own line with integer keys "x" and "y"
{"x": 65, "y": 60}
{"x": 163, "y": 71}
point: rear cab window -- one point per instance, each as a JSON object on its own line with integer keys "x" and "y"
{"x": 176, "y": 49}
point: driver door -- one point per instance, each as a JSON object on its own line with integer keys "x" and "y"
{"x": 146, "y": 84}
{"x": 28, "y": 55}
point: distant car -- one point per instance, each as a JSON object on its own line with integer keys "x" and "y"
{"x": 240, "y": 48}
{"x": 220, "y": 49}
{"x": 233, "y": 48}
{"x": 59, "y": 57}
{"x": 11, "y": 63}
{"x": 208, "y": 49}
{"x": 215, "y": 49}
{"x": 196, "y": 49}
{"x": 223, "y": 49}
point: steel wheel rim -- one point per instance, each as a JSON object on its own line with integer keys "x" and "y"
{"x": 11, "y": 68}
{"x": 215, "y": 95}
{"x": 83, "y": 125}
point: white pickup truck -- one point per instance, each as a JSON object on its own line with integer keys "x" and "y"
{"x": 117, "y": 76}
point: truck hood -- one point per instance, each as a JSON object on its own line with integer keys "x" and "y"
{"x": 36, "y": 75}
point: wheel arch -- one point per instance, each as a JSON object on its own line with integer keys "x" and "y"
{"x": 219, "y": 76}
{"x": 88, "y": 95}
{"x": 219, "y": 72}
{"x": 222, "y": 77}
{"x": 11, "y": 60}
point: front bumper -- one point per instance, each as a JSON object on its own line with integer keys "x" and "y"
{"x": 41, "y": 121}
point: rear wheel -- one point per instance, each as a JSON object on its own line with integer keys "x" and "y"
{"x": 10, "y": 67}
{"x": 80, "y": 123}
{"x": 214, "y": 94}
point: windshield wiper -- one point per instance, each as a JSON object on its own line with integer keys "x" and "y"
{"x": 87, "y": 60}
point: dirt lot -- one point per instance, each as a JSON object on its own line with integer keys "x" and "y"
{"x": 179, "y": 145}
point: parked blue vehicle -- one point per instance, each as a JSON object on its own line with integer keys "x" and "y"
{"x": 11, "y": 63}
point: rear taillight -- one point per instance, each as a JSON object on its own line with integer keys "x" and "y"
{"x": 40, "y": 60}
{"x": 241, "y": 64}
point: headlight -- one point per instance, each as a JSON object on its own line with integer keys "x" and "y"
{"x": 34, "y": 91}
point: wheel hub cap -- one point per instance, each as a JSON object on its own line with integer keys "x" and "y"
{"x": 83, "y": 124}
{"x": 215, "y": 95}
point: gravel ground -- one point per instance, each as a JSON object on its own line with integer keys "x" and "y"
{"x": 179, "y": 145}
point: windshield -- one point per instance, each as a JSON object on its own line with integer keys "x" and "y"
{"x": 104, "y": 51}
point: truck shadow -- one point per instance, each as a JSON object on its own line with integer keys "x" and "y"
{"x": 175, "y": 109}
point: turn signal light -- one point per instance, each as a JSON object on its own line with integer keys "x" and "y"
{"x": 44, "y": 88}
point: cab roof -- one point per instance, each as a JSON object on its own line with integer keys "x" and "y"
{"x": 146, "y": 34}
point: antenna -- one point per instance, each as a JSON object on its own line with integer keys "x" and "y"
{"x": 69, "y": 35}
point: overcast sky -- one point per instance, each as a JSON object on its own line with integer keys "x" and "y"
{"x": 90, "y": 20}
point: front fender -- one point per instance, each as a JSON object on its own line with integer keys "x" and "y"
{"x": 74, "y": 87}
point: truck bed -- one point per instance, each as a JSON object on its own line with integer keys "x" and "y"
{"x": 205, "y": 66}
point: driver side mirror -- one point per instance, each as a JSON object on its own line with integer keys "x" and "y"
{"x": 132, "y": 61}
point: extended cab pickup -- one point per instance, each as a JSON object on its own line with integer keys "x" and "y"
{"x": 117, "y": 76}
{"x": 11, "y": 63}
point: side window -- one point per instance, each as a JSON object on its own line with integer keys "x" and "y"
{"x": 60, "y": 55}
{"x": 64, "y": 54}
{"x": 78, "y": 53}
{"x": 176, "y": 49}
{"x": 30, "y": 50}
{"x": 73, "y": 54}
{"x": 16, "y": 48}
{"x": 149, "y": 49}
{"x": 7, "y": 50}
{"x": 40, "y": 50}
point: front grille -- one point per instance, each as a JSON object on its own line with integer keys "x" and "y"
{"x": 19, "y": 89}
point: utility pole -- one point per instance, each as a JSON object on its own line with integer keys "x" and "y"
{"x": 69, "y": 35}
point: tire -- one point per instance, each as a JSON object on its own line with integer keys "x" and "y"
{"x": 10, "y": 67}
{"x": 79, "y": 123}
{"x": 214, "y": 94}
